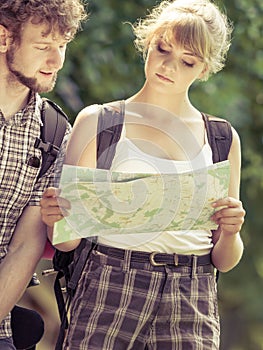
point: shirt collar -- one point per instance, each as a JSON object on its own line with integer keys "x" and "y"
{"x": 31, "y": 110}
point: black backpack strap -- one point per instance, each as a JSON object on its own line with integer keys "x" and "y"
{"x": 51, "y": 134}
{"x": 109, "y": 130}
{"x": 220, "y": 136}
{"x": 61, "y": 263}
{"x": 70, "y": 266}
{"x": 82, "y": 253}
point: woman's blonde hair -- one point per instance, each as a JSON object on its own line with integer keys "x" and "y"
{"x": 197, "y": 25}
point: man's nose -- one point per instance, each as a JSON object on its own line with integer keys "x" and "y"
{"x": 56, "y": 58}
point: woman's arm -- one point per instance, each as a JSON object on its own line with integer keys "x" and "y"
{"x": 228, "y": 245}
{"x": 81, "y": 150}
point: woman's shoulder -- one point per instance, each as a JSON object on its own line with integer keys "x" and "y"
{"x": 88, "y": 112}
{"x": 222, "y": 119}
{"x": 91, "y": 112}
{"x": 86, "y": 122}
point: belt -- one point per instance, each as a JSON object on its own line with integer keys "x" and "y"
{"x": 155, "y": 258}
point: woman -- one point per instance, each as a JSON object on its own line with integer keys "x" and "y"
{"x": 126, "y": 299}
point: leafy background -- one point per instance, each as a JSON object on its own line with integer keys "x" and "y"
{"x": 103, "y": 65}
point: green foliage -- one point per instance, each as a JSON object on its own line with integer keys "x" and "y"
{"x": 237, "y": 94}
{"x": 102, "y": 65}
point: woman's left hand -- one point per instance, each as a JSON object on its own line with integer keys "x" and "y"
{"x": 231, "y": 217}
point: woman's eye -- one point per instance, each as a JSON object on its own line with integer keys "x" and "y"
{"x": 188, "y": 64}
{"x": 161, "y": 49}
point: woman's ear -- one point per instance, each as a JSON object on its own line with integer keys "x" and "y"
{"x": 4, "y": 39}
{"x": 203, "y": 73}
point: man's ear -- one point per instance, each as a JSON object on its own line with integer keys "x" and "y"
{"x": 4, "y": 39}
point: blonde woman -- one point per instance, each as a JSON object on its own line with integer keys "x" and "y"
{"x": 129, "y": 296}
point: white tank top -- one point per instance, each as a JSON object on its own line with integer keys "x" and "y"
{"x": 129, "y": 158}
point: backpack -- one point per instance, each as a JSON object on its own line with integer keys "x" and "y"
{"x": 69, "y": 265}
{"x": 52, "y": 131}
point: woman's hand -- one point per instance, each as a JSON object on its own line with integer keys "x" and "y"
{"x": 228, "y": 246}
{"x": 231, "y": 217}
{"x": 53, "y": 207}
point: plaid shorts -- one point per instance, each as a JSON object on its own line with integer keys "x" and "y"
{"x": 124, "y": 303}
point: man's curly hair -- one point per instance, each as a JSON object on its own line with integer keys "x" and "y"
{"x": 64, "y": 16}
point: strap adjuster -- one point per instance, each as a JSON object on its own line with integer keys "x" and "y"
{"x": 47, "y": 147}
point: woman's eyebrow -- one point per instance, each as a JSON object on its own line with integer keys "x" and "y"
{"x": 189, "y": 53}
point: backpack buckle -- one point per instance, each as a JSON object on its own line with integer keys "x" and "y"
{"x": 46, "y": 147}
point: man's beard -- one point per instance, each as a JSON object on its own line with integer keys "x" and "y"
{"x": 31, "y": 83}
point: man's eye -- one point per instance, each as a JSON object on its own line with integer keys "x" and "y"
{"x": 41, "y": 48}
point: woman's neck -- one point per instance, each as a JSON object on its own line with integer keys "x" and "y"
{"x": 179, "y": 105}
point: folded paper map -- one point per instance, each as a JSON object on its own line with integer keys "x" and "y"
{"x": 105, "y": 202}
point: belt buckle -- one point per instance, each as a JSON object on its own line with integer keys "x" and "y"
{"x": 154, "y": 263}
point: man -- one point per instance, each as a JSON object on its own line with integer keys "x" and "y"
{"x": 33, "y": 38}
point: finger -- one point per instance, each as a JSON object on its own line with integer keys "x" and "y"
{"x": 51, "y": 220}
{"x": 227, "y": 202}
{"x": 229, "y": 213}
{"x": 55, "y": 202}
{"x": 54, "y": 211}
{"x": 49, "y": 202}
{"x": 51, "y": 192}
{"x": 232, "y": 220}
{"x": 63, "y": 203}
{"x": 230, "y": 224}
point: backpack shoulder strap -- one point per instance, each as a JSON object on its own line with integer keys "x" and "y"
{"x": 52, "y": 132}
{"x": 109, "y": 130}
{"x": 220, "y": 136}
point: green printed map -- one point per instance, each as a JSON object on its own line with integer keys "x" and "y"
{"x": 105, "y": 202}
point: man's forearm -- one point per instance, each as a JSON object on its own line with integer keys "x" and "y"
{"x": 24, "y": 252}
{"x": 16, "y": 271}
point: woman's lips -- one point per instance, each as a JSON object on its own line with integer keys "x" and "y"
{"x": 164, "y": 78}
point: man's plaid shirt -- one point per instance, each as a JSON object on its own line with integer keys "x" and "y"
{"x": 18, "y": 179}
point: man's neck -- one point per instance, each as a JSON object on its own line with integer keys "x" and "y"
{"x": 12, "y": 99}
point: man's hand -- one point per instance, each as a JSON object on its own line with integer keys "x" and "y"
{"x": 53, "y": 207}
